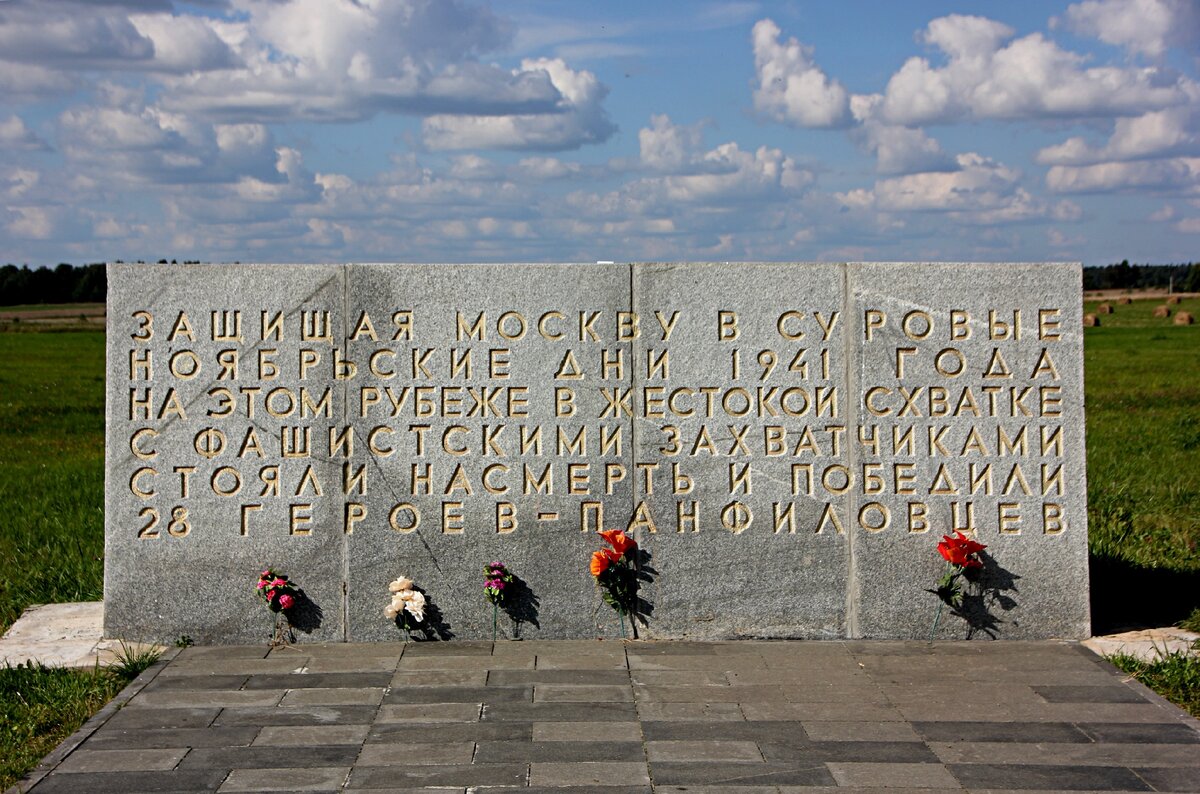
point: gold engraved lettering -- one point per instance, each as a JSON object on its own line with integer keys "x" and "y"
{"x": 354, "y": 479}
{"x": 668, "y": 325}
{"x": 511, "y": 326}
{"x": 452, "y": 518}
{"x": 251, "y": 444}
{"x": 299, "y": 518}
{"x": 1009, "y": 516}
{"x": 627, "y": 326}
{"x": 478, "y": 330}
{"x": 135, "y": 443}
{"x": 532, "y": 484}
{"x": 420, "y": 360}
{"x": 737, "y": 517}
{"x": 354, "y": 514}
{"x": 148, "y": 530}
{"x": 727, "y": 326}
{"x": 184, "y": 473}
{"x": 589, "y": 512}
{"x": 184, "y": 365}
{"x": 487, "y": 474}
{"x": 784, "y": 518}
{"x": 506, "y": 518}
{"x": 917, "y": 325}
{"x": 226, "y": 326}
{"x": 421, "y": 480}
{"x": 182, "y": 327}
{"x": 685, "y": 517}
{"x": 460, "y": 362}
{"x": 641, "y": 519}
{"x": 135, "y": 486}
{"x": 209, "y": 442}
{"x": 246, "y": 510}
{"x": 498, "y": 363}
{"x": 1048, "y": 324}
{"x": 873, "y": 319}
{"x": 179, "y": 526}
{"x": 403, "y": 321}
{"x": 271, "y": 326}
{"x": 141, "y": 368}
{"x": 781, "y": 325}
{"x": 829, "y": 517}
{"x": 680, "y": 483}
{"x": 458, "y": 482}
{"x": 145, "y": 329}
{"x": 414, "y": 516}
{"x": 269, "y": 477}
{"x": 1053, "y": 522}
{"x": 917, "y": 522}
{"x": 960, "y": 325}
{"x": 364, "y": 327}
{"x": 544, "y": 326}
{"x": 233, "y": 489}
{"x": 874, "y": 517}
{"x": 315, "y": 326}
{"x": 739, "y": 478}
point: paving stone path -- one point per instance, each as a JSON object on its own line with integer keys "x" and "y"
{"x": 614, "y": 717}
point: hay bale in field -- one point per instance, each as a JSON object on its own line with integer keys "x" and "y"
{"x": 1184, "y": 318}
{"x": 1104, "y": 308}
{"x": 1173, "y": 300}
{"x": 1162, "y": 311}
{"x": 1124, "y": 300}
{"x": 1090, "y": 321}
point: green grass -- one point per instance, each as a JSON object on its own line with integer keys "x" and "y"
{"x": 52, "y": 464}
{"x": 41, "y": 706}
{"x": 1176, "y": 677}
{"x": 1143, "y": 439}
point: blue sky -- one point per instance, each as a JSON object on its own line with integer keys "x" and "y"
{"x": 456, "y": 131}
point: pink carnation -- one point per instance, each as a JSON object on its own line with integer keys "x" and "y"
{"x": 286, "y": 601}
{"x": 278, "y": 583}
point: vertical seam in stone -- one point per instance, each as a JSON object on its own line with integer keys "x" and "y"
{"x": 345, "y": 421}
{"x": 633, "y": 420}
{"x": 852, "y": 427}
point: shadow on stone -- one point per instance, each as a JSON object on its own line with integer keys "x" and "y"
{"x": 984, "y": 598}
{"x": 433, "y": 628}
{"x": 641, "y": 609}
{"x": 1126, "y": 596}
{"x": 521, "y": 605}
{"x": 306, "y": 615}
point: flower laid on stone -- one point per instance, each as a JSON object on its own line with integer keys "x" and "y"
{"x": 407, "y": 606}
{"x": 496, "y": 582}
{"x": 962, "y": 561}
{"x": 275, "y": 589}
{"x": 280, "y": 595}
{"x": 615, "y": 573}
{"x": 495, "y": 579}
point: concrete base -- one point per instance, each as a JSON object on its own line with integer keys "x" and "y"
{"x": 60, "y": 635}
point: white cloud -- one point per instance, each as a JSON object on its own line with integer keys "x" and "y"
{"x": 1144, "y": 27}
{"x": 18, "y": 181}
{"x": 1188, "y": 225}
{"x": 15, "y": 135}
{"x": 669, "y": 147}
{"x": 1175, "y": 131}
{"x": 29, "y": 222}
{"x": 1179, "y": 174}
{"x": 897, "y": 149}
{"x": 791, "y": 87}
{"x": 1027, "y": 78}
{"x": 578, "y": 119}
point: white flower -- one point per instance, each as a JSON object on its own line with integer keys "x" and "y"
{"x": 403, "y": 583}
{"x": 391, "y": 611}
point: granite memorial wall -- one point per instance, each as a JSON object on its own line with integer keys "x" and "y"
{"x": 787, "y": 443}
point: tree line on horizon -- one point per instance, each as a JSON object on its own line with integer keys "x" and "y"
{"x": 68, "y": 283}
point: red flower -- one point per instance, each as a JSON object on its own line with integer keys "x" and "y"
{"x": 602, "y": 559}
{"x": 619, "y": 541}
{"x": 960, "y": 550}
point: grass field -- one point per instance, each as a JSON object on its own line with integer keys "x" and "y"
{"x": 1143, "y": 448}
{"x": 1143, "y": 424}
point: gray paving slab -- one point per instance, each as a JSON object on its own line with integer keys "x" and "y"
{"x": 705, "y": 718}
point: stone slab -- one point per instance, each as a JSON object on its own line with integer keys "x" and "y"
{"x": 786, "y": 441}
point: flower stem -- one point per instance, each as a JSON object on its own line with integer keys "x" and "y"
{"x": 495, "y": 609}
{"x": 621, "y": 615}
{"x": 936, "y": 619}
